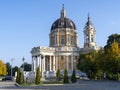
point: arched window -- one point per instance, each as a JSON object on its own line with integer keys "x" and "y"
{"x": 87, "y": 39}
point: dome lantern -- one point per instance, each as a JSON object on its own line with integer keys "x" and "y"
{"x": 63, "y": 12}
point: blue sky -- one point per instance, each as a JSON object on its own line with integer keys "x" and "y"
{"x": 25, "y": 24}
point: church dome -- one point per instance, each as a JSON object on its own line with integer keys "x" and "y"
{"x": 63, "y": 22}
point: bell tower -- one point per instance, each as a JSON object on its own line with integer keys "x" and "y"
{"x": 89, "y": 35}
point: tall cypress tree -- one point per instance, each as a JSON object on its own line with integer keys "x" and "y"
{"x": 21, "y": 78}
{"x": 58, "y": 74}
{"x": 37, "y": 79}
{"x": 18, "y": 76}
{"x": 66, "y": 78}
{"x": 73, "y": 77}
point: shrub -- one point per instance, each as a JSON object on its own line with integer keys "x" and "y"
{"x": 66, "y": 79}
{"x": 73, "y": 77}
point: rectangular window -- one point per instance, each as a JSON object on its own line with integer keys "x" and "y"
{"x": 53, "y": 40}
{"x": 62, "y": 39}
{"x": 62, "y": 57}
{"x": 71, "y": 40}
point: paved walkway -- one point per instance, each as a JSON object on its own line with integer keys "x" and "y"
{"x": 7, "y": 84}
{"x": 80, "y": 85}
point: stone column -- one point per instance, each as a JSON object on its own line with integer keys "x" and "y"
{"x": 67, "y": 40}
{"x": 55, "y": 39}
{"x": 56, "y": 63}
{"x": 72, "y": 61}
{"x": 43, "y": 66}
{"x": 37, "y": 61}
{"x": 50, "y": 63}
{"x": 67, "y": 62}
{"x": 40, "y": 62}
{"x": 34, "y": 64}
{"x": 76, "y": 39}
{"x": 85, "y": 40}
{"x": 53, "y": 63}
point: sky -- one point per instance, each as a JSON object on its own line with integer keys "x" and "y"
{"x": 25, "y": 24}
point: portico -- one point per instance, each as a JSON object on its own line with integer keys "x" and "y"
{"x": 53, "y": 60}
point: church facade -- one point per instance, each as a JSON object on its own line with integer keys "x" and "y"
{"x": 63, "y": 51}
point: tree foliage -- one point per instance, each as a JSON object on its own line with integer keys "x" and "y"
{"x": 3, "y": 69}
{"x": 37, "y": 79}
{"x": 112, "y": 38}
{"x": 113, "y": 59}
{"x": 27, "y": 67}
{"x": 73, "y": 77}
{"x": 8, "y": 66}
{"x": 14, "y": 69}
{"x": 18, "y": 76}
{"x": 88, "y": 64}
{"x": 58, "y": 75}
{"x": 21, "y": 78}
{"x": 66, "y": 78}
{"x": 104, "y": 63}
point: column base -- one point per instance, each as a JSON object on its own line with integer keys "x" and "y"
{"x": 42, "y": 79}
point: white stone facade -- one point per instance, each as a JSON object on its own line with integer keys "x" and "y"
{"x": 46, "y": 58}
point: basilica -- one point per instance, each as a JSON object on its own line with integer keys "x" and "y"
{"x": 63, "y": 51}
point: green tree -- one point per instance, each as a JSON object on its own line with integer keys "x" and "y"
{"x": 87, "y": 63}
{"x": 58, "y": 75}
{"x": 14, "y": 69}
{"x": 73, "y": 77}
{"x": 80, "y": 64}
{"x": 18, "y": 76}
{"x": 8, "y": 66}
{"x": 111, "y": 39}
{"x": 113, "y": 58}
{"x": 27, "y": 67}
{"x": 100, "y": 63}
{"x": 37, "y": 79}
{"x": 21, "y": 78}
{"x": 66, "y": 78}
